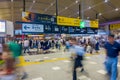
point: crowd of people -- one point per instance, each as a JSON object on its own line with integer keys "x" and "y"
{"x": 91, "y": 44}
{"x": 112, "y": 49}
{"x": 78, "y": 46}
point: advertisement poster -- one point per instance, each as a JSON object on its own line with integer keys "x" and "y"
{"x": 38, "y": 18}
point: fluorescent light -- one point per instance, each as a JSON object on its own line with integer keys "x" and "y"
{"x": 11, "y": 0}
{"x": 106, "y": 1}
{"x": 89, "y": 7}
{"x": 100, "y": 14}
{"x": 76, "y": 1}
{"x": 116, "y": 9}
{"x": 33, "y": 1}
{"x": 66, "y": 7}
{"x": 51, "y": 4}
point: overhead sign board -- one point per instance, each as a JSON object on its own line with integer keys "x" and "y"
{"x": 94, "y": 24}
{"x": 38, "y": 18}
{"x": 68, "y": 21}
{"x": 114, "y": 26}
{"x": 32, "y": 28}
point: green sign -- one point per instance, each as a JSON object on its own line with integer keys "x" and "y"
{"x": 82, "y": 24}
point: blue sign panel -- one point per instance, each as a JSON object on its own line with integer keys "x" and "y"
{"x": 64, "y": 29}
{"x": 72, "y": 30}
{"x": 32, "y": 28}
{"x": 92, "y": 31}
{"x": 78, "y": 29}
{"x": 55, "y": 29}
{"x": 48, "y": 28}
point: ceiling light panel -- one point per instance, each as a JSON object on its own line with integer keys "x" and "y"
{"x": 116, "y": 9}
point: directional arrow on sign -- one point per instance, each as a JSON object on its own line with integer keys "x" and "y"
{"x": 25, "y": 27}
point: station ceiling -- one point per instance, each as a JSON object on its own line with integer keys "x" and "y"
{"x": 106, "y": 10}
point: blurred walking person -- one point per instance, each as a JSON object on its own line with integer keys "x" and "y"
{"x": 1, "y": 50}
{"x": 16, "y": 51}
{"x": 77, "y": 55}
{"x": 7, "y": 68}
{"x": 67, "y": 45}
{"x": 112, "y": 51}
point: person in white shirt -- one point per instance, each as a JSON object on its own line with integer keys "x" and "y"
{"x": 26, "y": 45}
{"x": 118, "y": 40}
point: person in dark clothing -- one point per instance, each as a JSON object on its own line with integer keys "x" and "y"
{"x": 53, "y": 44}
{"x": 30, "y": 43}
{"x": 112, "y": 52}
{"x": 45, "y": 46}
{"x": 97, "y": 46}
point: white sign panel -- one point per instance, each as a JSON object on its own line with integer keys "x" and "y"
{"x": 87, "y": 23}
{"x": 32, "y": 28}
{"x": 2, "y": 26}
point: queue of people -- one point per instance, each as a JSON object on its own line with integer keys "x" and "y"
{"x": 44, "y": 44}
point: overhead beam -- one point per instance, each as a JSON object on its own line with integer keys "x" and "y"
{"x": 24, "y": 4}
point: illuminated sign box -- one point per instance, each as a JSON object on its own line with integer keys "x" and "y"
{"x": 2, "y": 27}
{"x": 114, "y": 26}
{"x": 94, "y": 24}
{"x": 68, "y": 21}
{"x": 32, "y": 28}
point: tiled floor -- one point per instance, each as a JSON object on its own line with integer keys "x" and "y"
{"x": 62, "y": 69}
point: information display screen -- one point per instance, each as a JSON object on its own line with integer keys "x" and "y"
{"x": 2, "y": 27}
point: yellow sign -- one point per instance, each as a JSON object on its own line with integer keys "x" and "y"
{"x": 94, "y": 24}
{"x": 114, "y": 26}
{"x": 68, "y": 21}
